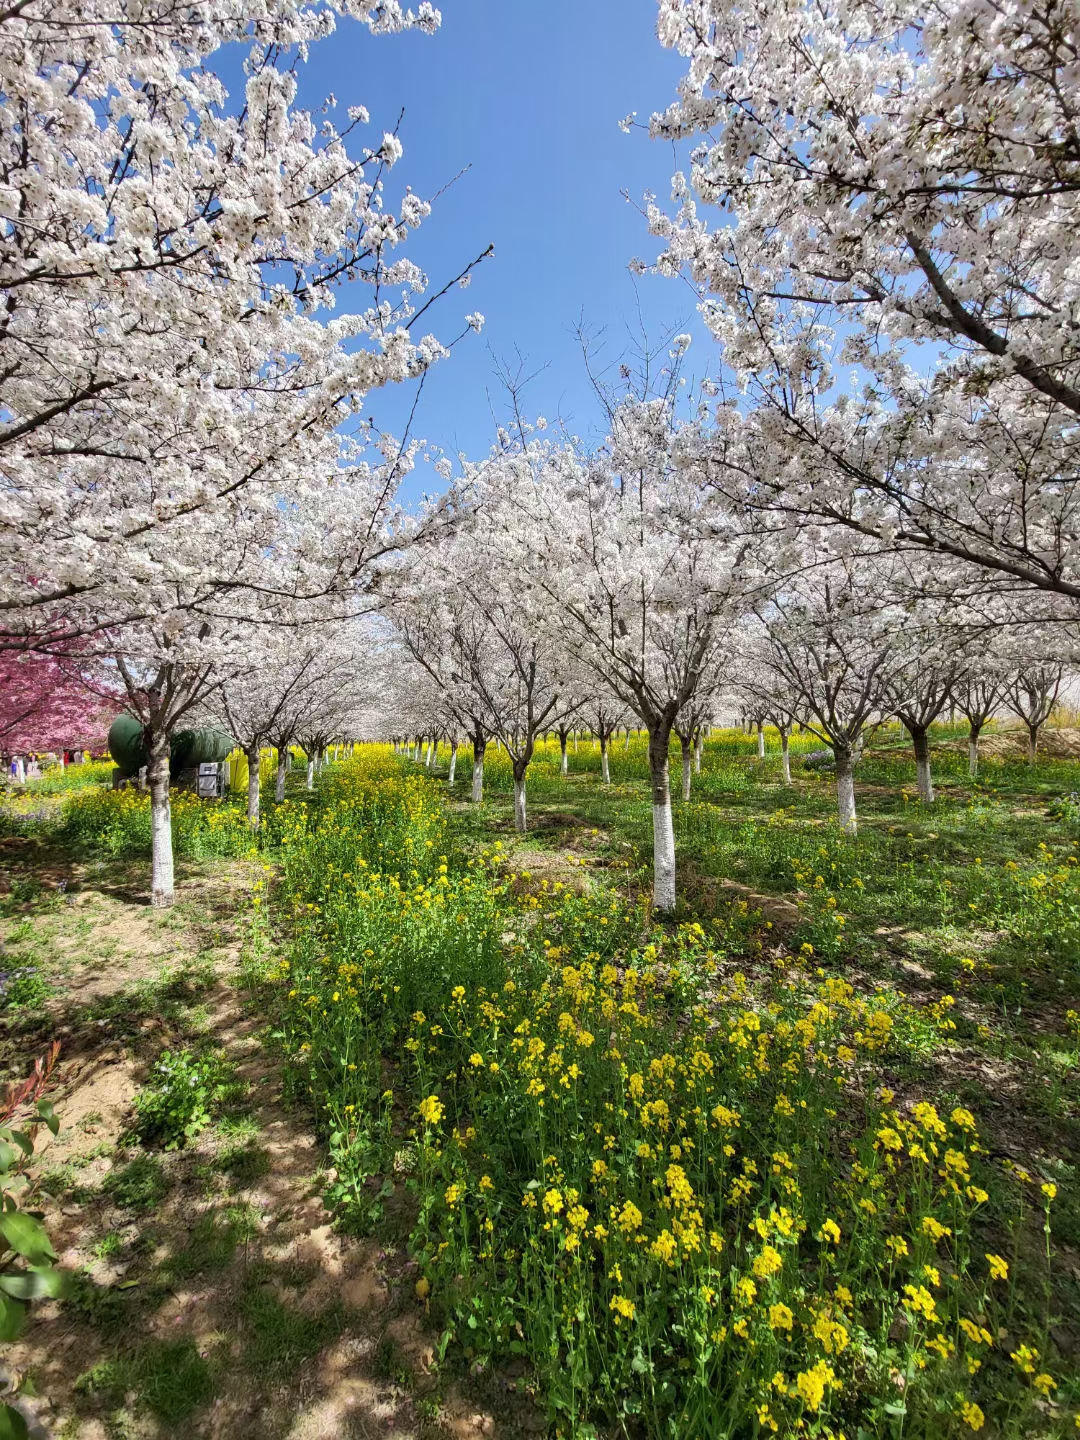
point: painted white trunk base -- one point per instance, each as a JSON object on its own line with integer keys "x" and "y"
{"x": 161, "y": 884}
{"x": 253, "y": 790}
{"x": 845, "y": 799}
{"x": 924, "y": 781}
{"x": 663, "y": 857}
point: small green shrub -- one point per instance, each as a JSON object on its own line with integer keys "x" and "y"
{"x": 185, "y": 1092}
{"x": 22, "y": 988}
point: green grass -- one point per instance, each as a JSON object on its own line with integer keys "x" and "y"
{"x": 170, "y": 1379}
{"x": 276, "y": 1336}
{"x": 948, "y": 935}
{"x": 140, "y": 1185}
{"x": 956, "y": 926}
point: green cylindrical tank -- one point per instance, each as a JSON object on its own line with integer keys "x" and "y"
{"x": 188, "y": 749}
{"x": 126, "y": 745}
{"x": 191, "y": 748}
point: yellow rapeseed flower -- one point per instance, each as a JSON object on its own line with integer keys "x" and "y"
{"x": 431, "y": 1110}
{"x": 972, "y": 1415}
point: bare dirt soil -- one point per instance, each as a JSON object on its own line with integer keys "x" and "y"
{"x": 211, "y": 1294}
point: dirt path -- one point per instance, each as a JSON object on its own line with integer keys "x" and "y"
{"x": 211, "y": 1296}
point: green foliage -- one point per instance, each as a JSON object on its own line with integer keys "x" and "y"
{"x": 140, "y": 1185}
{"x": 245, "y": 1164}
{"x": 664, "y": 1164}
{"x": 71, "y": 778}
{"x": 23, "y": 988}
{"x": 102, "y": 821}
{"x": 277, "y": 1336}
{"x": 212, "y": 1242}
{"x": 185, "y": 1091}
{"x": 27, "y": 1258}
{"x": 27, "y": 1269}
{"x": 170, "y": 1379}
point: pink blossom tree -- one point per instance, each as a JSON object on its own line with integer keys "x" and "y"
{"x": 46, "y": 705}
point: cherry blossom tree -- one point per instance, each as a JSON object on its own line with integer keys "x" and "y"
{"x": 170, "y": 257}
{"x": 305, "y": 686}
{"x": 760, "y": 686}
{"x": 441, "y": 628}
{"x": 641, "y": 588}
{"x": 47, "y": 705}
{"x": 482, "y": 634}
{"x": 1031, "y": 694}
{"x": 920, "y": 687}
{"x": 832, "y": 647}
{"x": 978, "y": 693}
{"x": 891, "y": 180}
{"x": 604, "y": 715}
{"x": 688, "y": 727}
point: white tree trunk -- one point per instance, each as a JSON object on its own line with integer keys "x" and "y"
{"x": 785, "y": 757}
{"x": 923, "y": 779}
{"x": 845, "y": 791}
{"x": 687, "y": 765}
{"x": 478, "y": 773}
{"x": 1033, "y": 743}
{"x": 563, "y": 759}
{"x": 161, "y": 850}
{"x": 279, "y": 789}
{"x": 519, "y": 804}
{"x": 311, "y": 772}
{"x": 761, "y": 742}
{"x": 20, "y": 770}
{"x": 663, "y": 828}
{"x": 698, "y": 747}
{"x": 453, "y": 765}
{"x": 253, "y": 787}
{"x": 575, "y": 742}
{"x": 428, "y": 755}
{"x": 973, "y": 752}
{"x": 605, "y": 767}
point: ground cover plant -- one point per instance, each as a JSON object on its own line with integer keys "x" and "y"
{"x": 693, "y": 1173}
{"x": 585, "y": 934}
{"x": 801, "y": 1155}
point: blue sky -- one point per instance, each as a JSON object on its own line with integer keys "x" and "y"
{"x": 529, "y": 94}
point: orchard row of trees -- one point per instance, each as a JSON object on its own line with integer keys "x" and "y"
{"x": 870, "y": 510}
{"x": 613, "y": 586}
{"x": 188, "y": 480}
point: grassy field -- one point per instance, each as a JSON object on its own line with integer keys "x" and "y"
{"x": 456, "y": 1137}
